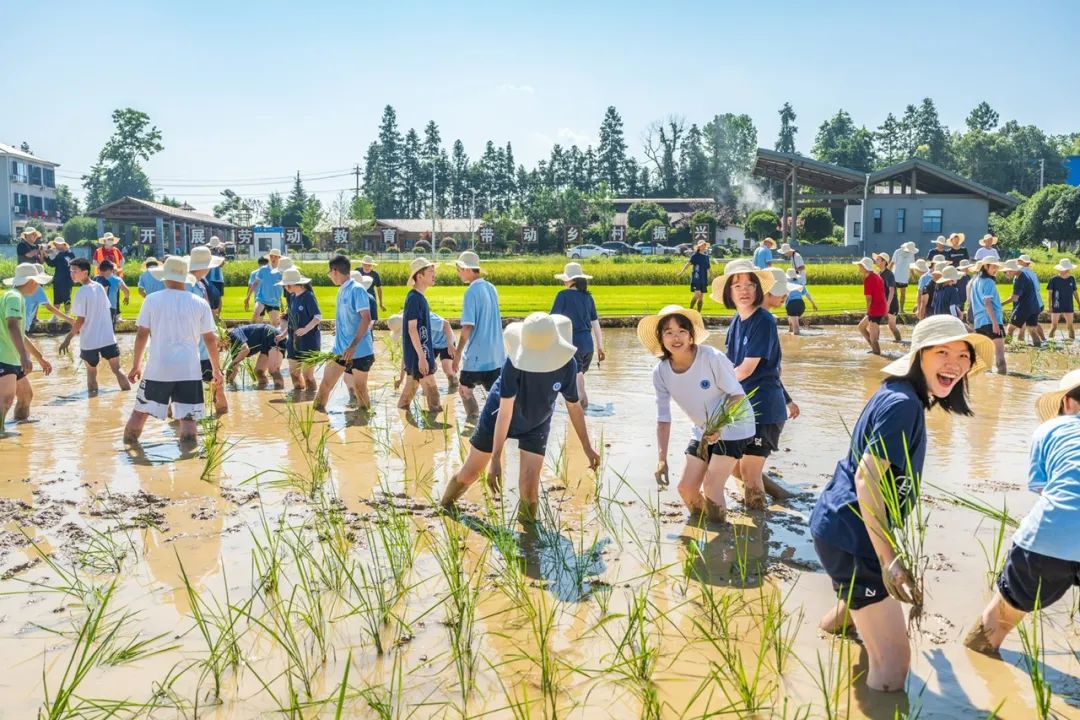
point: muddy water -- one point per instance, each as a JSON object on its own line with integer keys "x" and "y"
{"x": 614, "y": 607}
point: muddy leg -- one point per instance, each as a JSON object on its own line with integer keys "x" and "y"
{"x": 24, "y": 395}
{"x": 7, "y": 396}
{"x": 468, "y": 400}
{"x": 837, "y": 621}
{"x": 690, "y": 484}
{"x": 408, "y": 392}
{"x": 529, "y": 486}
{"x": 895, "y": 330}
{"x": 466, "y": 476}
{"x": 431, "y": 394}
{"x": 331, "y": 373}
{"x": 753, "y": 485}
{"x": 583, "y": 398}
{"x": 883, "y": 630}
{"x": 134, "y": 427}
{"x": 121, "y": 378}
{"x": 999, "y": 355}
{"x": 716, "y": 476}
{"x": 993, "y": 626}
{"x": 360, "y": 386}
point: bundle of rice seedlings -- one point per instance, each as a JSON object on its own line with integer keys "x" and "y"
{"x": 725, "y": 414}
{"x": 317, "y": 358}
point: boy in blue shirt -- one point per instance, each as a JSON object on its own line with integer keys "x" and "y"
{"x": 260, "y": 339}
{"x": 442, "y": 341}
{"x": 114, "y": 286}
{"x": 763, "y": 255}
{"x": 40, "y": 299}
{"x": 216, "y": 277}
{"x": 1025, "y": 302}
{"x": 354, "y": 344}
{"x": 418, "y": 352}
{"x": 148, "y": 284}
{"x": 266, "y": 290}
{"x": 480, "y": 354}
{"x": 699, "y": 274}
{"x": 1044, "y": 561}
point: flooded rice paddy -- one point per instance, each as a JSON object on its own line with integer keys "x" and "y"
{"x": 308, "y": 574}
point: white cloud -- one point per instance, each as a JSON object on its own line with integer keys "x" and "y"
{"x": 569, "y": 136}
{"x": 510, "y": 89}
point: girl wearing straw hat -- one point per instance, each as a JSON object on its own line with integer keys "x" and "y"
{"x": 877, "y": 308}
{"x": 354, "y": 344}
{"x": 986, "y": 248}
{"x": 796, "y": 302}
{"x": 1025, "y": 302}
{"x": 576, "y": 302}
{"x": 986, "y": 313}
{"x": 58, "y": 259}
{"x": 1060, "y": 292}
{"x": 947, "y": 299}
{"x": 902, "y": 258}
{"x": 539, "y": 367}
{"x": 753, "y": 347}
{"x": 699, "y": 274}
{"x": 304, "y": 318}
{"x": 1044, "y": 561}
{"x": 15, "y": 348}
{"x": 882, "y": 261}
{"x": 418, "y": 352}
{"x": 888, "y": 447}
{"x": 701, "y": 380}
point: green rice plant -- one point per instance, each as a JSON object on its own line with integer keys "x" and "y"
{"x": 387, "y": 701}
{"x": 267, "y": 556}
{"x": 832, "y": 674}
{"x": 972, "y": 503}
{"x": 726, "y": 414}
{"x": 375, "y": 598}
{"x": 1034, "y": 657}
{"x": 779, "y": 627}
{"x": 994, "y": 552}
{"x": 136, "y": 648}
{"x": 279, "y": 626}
{"x": 637, "y": 653}
{"x": 62, "y": 580}
{"x": 317, "y": 358}
{"x": 101, "y": 553}
{"x": 746, "y": 685}
{"x": 219, "y": 625}
{"x": 216, "y": 450}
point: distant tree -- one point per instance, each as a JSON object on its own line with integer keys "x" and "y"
{"x": 67, "y": 205}
{"x": 761, "y": 224}
{"x": 730, "y": 144}
{"x": 839, "y": 142}
{"x": 294, "y": 204}
{"x": 641, "y": 212}
{"x": 786, "y": 141}
{"x": 815, "y": 224}
{"x": 1035, "y": 212}
{"x": 233, "y": 208}
{"x": 982, "y": 117}
{"x": 310, "y": 218}
{"x": 80, "y": 229}
{"x": 118, "y": 171}
{"x": 662, "y": 139}
{"x": 611, "y": 156}
{"x": 889, "y": 142}
{"x": 170, "y": 201}
{"x": 694, "y": 165}
{"x": 275, "y": 210}
{"x": 1061, "y": 223}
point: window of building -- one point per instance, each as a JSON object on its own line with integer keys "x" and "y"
{"x": 35, "y": 175}
{"x": 49, "y": 175}
{"x": 931, "y": 221}
{"x": 877, "y": 220}
{"x": 901, "y": 221}
{"x": 857, "y": 231}
{"x": 37, "y": 205}
{"x": 22, "y": 204}
{"x": 18, "y": 171}
{"x": 50, "y": 207}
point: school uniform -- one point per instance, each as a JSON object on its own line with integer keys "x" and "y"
{"x": 799, "y": 266}
{"x": 1026, "y": 308}
{"x": 699, "y": 272}
{"x": 201, "y": 289}
{"x": 1044, "y": 560}
{"x": 352, "y": 303}
{"x": 955, "y": 255}
{"x": 756, "y": 336}
{"x": 260, "y": 338}
{"x": 439, "y": 342}
{"x": 149, "y": 283}
{"x": 534, "y": 396}
{"x": 892, "y": 428}
{"x": 962, "y": 286}
{"x": 112, "y": 291}
{"x": 888, "y": 281}
{"x": 216, "y": 276}
{"x": 1061, "y": 290}
{"x": 417, "y": 308}
{"x": 96, "y": 339}
{"x": 268, "y": 293}
{"x": 902, "y": 266}
{"x": 935, "y": 250}
{"x": 928, "y": 287}
{"x": 986, "y": 252}
{"x": 981, "y": 289}
{"x": 795, "y": 305}
{"x": 32, "y": 304}
{"x": 874, "y": 287}
{"x": 376, "y": 282}
{"x": 946, "y": 301}
{"x": 62, "y": 283}
{"x": 303, "y": 308}
{"x": 581, "y": 309}
{"x": 484, "y": 353}
{"x": 1036, "y": 285}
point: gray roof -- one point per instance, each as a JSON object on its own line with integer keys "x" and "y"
{"x": 442, "y": 225}
{"x": 814, "y": 173}
{"x": 128, "y": 205}
{"x": 17, "y": 153}
{"x": 937, "y": 180}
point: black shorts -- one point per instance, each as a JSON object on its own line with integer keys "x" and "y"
{"x": 268, "y": 308}
{"x": 220, "y": 287}
{"x": 795, "y": 308}
{"x": 361, "y": 364}
{"x": 988, "y": 331}
{"x": 92, "y": 357}
{"x": 207, "y": 371}
{"x": 1031, "y": 320}
{"x": 15, "y": 370}
{"x": 472, "y": 378}
{"x": 699, "y": 288}
{"x": 1028, "y": 573}
{"x": 442, "y": 354}
{"x": 727, "y": 448}
{"x": 61, "y": 296}
{"x": 901, "y": 285}
{"x": 894, "y": 306}
{"x": 766, "y": 440}
{"x": 877, "y": 319}
{"x": 1066, "y": 309}
{"x": 186, "y": 397}
{"x": 584, "y": 361}
{"x": 483, "y": 439}
{"x": 856, "y": 579}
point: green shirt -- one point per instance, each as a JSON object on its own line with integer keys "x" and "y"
{"x": 11, "y": 306}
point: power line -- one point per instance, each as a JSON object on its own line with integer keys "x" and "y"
{"x": 236, "y": 182}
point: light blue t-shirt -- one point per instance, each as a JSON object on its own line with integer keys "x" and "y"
{"x": 924, "y": 280}
{"x": 438, "y": 337}
{"x": 480, "y": 309}
{"x": 762, "y": 257}
{"x": 32, "y": 304}
{"x": 798, "y": 294}
{"x": 352, "y": 300}
{"x": 251, "y": 276}
{"x": 1053, "y": 525}
{"x": 982, "y": 288}
{"x": 268, "y": 293}
{"x": 216, "y": 274}
{"x": 149, "y": 283}
{"x": 1034, "y": 277}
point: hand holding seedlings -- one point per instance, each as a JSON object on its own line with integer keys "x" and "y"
{"x": 900, "y": 584}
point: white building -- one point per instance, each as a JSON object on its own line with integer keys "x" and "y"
{"x": 27, "y": 190}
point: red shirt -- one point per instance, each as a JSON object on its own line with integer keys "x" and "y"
{"x": 874, "y": 286}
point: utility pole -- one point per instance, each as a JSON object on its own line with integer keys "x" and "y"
{"x": 356, "y": 172}
{"x": 1042, "y": 172}
{"x": 472, "y": 217}
{"x": 433, "y": 166}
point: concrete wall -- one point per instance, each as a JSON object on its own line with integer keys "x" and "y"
{"x": 969, "y": 215}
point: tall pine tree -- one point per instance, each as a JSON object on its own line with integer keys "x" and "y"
{"x": 611, "y": 155}
{"x": 786, "y": 141}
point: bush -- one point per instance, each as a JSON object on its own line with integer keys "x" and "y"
{"x": 815, "y": 224}
{"x": 80, "y": 228}
{"x": 594, "y": 234}
{"x": 421, "y": 247}
{"x": 761, "y": 224}
{"x": 448, "y": 245}
{"x": 645, "y": 232}
{"x": 642, "y": 212}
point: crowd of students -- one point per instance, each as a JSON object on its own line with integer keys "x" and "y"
{"x": 734, "y": 397}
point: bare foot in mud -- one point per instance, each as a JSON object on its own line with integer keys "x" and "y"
{"x": 978, "y": 640}
{"x": 754, "y": 499}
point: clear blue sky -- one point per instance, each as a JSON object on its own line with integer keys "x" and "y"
{"x": 261, "y": 90}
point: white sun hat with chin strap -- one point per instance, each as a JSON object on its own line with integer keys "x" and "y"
{"x": 941, "y": 330}
{"x": 540, "y": 343}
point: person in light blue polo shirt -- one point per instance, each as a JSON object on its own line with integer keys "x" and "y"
{"x": 148, "y": 284}
{"x": 763, "y": 255}
{"x": 266, "y": 289}
{"x": 1044, "y": 561}
{"x": 354, "y": 344}
{"x": 987, "y": 316}
{"x": 216, "y": 276}
{"x": 480, "y": 351}
{"x": 38, "y": 300}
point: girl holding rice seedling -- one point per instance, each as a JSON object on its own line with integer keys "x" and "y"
{"x": 868, "y": 546}
{"x": 699, "y": 264}
{"x": 304, "y": 337}
{"x": 797, "y": 296}
{"x": 702, "y": 382}
{"x": 753, "y": 347}
{"x": 576, "y": 303}
{"x": 1044, "y": 561}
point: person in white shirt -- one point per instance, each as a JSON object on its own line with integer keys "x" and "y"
{"x": 93, "y": 324}
{"x": 902, "y": 258}
{"x": 176, "y": 319}
{"x": 986, "y": 248}
{"x": 702, "y": 382}
{"x": 797, "y": 262}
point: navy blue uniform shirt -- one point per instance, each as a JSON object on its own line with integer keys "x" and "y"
{"x": 534, "y": 397}
{"x": 416, "y": 308}
{"x": 756, "y": 336}
{"x": 581, "y": 309}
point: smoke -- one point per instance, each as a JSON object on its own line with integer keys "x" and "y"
{"x": 751, "y": 195}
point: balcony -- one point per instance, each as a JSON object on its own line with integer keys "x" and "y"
{"x": 15, "y": 177}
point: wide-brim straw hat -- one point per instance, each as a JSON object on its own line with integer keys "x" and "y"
{"x": 572, "y": 271}
{"x": 780, "y": 286}
{"x": 920, "y": 266}
{"x": 646, "y": 328}
{"x": 174, "y": 269}
{"x": 938, "y": 258}
{"x": 959, "y": 237}
{"x": 881, "y": 257}
{"x": 1048, "y": 405}
{"x": 284, "y": 264}
{"x": 1065, "y": 265}
{"x": 292, "y": 276}
{"x": 948, "y": 274}
{"x": 368, "y": 260}
{"x": 965, "y": 264}
{"x": 737, "y": 267}
{"x": 988, "y": 240}
{"x": 940, "y": 330}
{"x": 1011, "y": 266}
{"x": 540, "y": 343}
{"x": 909, "y": 247}
{"x": 865, "y": 263}
{"x": 25, "y": 272}
{"x": 1026, "y": 259}
{"x": 58, "y": 241}
{"x": 785, "y": 249}
{"x": 468, "y": 260}
{"x": 149, "y": 260}
{"x": 769, "y": 243}
{"x": 214, "y": 242}
{"x": 417, "y": 265}
{"x": 394, "y": 322}
{"x": 702, "y": 244}
{"x": 364, "y": 281}
{"x": 202, "y": 259}
{"x": 274, "y": 252}
{"x": 988, "y": 262}
{"x": 30, "y": 232}
{"x": 108, "y": 239}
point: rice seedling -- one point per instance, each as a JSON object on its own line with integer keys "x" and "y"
{"x": 724, "y": 415}
{"x": 316, "y": 359}
{"x": 375, "y": 599}
{"x": 100, "y": 552}
{"x": 637, "y": 653}
{"x": 216, "y": 450}
{"x": 779, "y": 627}
{"x": 1034, "y": 658}
{"x": 994, "y": 551}
{"x": 387, "y": 701}
{"x": 301, "y": 663}
{"x": 219, "y": 625}
{"x": 747, "y": 686}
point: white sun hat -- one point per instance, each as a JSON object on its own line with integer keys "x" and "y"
{"x": 174, "y": 269}
{"x": 988, "y": 240}
{"x": 781, "y": 286}
{"x": 572, "y": 271}
{"x": 394, "y": 322}
{"x": 108, "y": 239}
{"x": 368, "y": 260}
{"x": 940, "y": 240}
{"x": 1048, "y": 405}
{"x": 866, "y": 264}
{"x": 940, "y": 330}
{"x": 920, "y": 266}
{"x": 785, "y": 249}
{"x": 965, "y": 264}
{"x": 646, "y": 328}
{"x": 540, "y": 343}
{"x": 1011, "y": 266}
{"x": 957, "y": 236}
{"x": 909, "y": 247}
{"x": 417, "y": 265}
{"x": 274, "y": 252}
{"x": 468, "y": 260}
{"x": 364, "y": 281}
{"x": 284, "y": 264}
{"x": 202, "y": 259}
{"x": 292, "y": 276}
{"x": 214, "y": 242}
{"x": 25, "y": 272}
{"x": 1025, "y": 259}
{"x": 737, "y": 267}
{"x": 991, "y": 261}
{"x": 949, "y": 273}
{"x": 1065, "y": 265}
{"x": 938, "y": 258}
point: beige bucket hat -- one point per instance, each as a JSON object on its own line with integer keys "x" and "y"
{"x": 540, "y": 343}
{"x": 202, "y": 259}
{"x": 881, "y": 257}
{"x": 920, "y": 266}
{"x": 737, "y": 267}
{"x": 364, "y": 281}
{"x": 769, "y": 243}
{"x": 785, "y": 249}
{"x": 1011, "y": 266}
{"x": 1048, "y": 405}
{"x": 30, "y": 232}
{"x": 108, "y": 239}
{"x": 989, "y": 262}
{"x": 781, "y": 286}
{"x": 59, "y": 241}
{"x": 940, "y": 240}
{"x": 174, "y": 269}
{"x": 572, "y": 271}
{"x": 1065, "y": 265}
{"x": 702, "y": 244}
{"x": 958, "y": 237}
{"x": 214, "y": 242}
{"x": 949, "y": 273}
{"x": 25, "y": 272}
{"x": 274, "y": 252}
{"x": 418, "y": 264}
{"x": 988, "y": 240}
{"x": 368, "y": 260}
{"x": 646, "y": 328}
{"x": 292, "y": 276}
{"x": 866, "y": 264}
{"x": 965, "y": 265}
{"x": 1025, "y": 260}
{"x": 909, "y": 247}
{"x": 468, "y": 260}
{"x": 940, "y": 330}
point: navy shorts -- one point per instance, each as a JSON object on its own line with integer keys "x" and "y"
{"x": 694, "y": 287}
{"x": 795, "y": 308}
{"x": 877, "y": 319}
{"x": 584, "y": 361}
{"x": 442, "y": 354}
{"x": 535, "y": 441}
{"x": 1027, "y": 574}
{"x": 894, "y": 306}
{"x": 1031, "y": 320}
{"x": 220, "y": 287}
{"x": 766, "y": 440}
{"x": 267, "y": 308}
{"x": 61, "y": 295}
{"x": 362, "y": 364}
{"x": 472, "y": 378}
{"x": 901, "y": 285}
{"x": 15, "y": 370}
{"x": 856, "y": 579}
{"x": 988, "y": 331}
{"x": 93, "y": 357}
{"x": 726, "y": 448}
{"x": 1061, "y": 308}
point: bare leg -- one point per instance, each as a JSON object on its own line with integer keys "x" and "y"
{"x": 468, "y": 400}
{"x": 837, "y": 621}
{"x": 309, "y": 379}
{"x": 864, "y": 324}
{"x": 7, "y": 396}
{"x": 259, "y": 308}
{"x": 408, "y": 392}
{"x": 121, "y": 378}
{"x": 1069, "y": 325}
{"x": 690, "y": 484}
{"x": 431, "y": 393}
{"x": 883, "y": 630}
{"x": 24, "y": 395}
{"x": 275, "y": 317}
{"x": 994, "y": 625}
{"x": 189, "y": 431}
{"x": 295, "y": 374}
{"x": 1054, "y": 317}
{"x": 134, "y": 427}
{"x": 902, "y": 298}
{"x": 466, "y": 476}
{"x": 583, "y": 398}
{"x": 753, "y": 485}
{"x": 360, "y": 387}
{"x": 719, "y": 470}
{"x": 92, "y": 381}
{"x": 894, "y": 329}
{"x": 331, "y": 372}
{"x": 999, "y": 355}
{"x": 874, "y": 332}
{"x": 529, "y": 486}
{"x": 448, "y": 370}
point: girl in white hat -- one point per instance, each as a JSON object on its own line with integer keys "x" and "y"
{"x": 1060, "y": 292}
{"x": 539, "y": 367}
{"x": 986, "y": 314}
{"x": 1043, "y": 563}
{"x": 699, "y": 274}
{"x": 888, "y": 447}
{"x": 797, "y": 297}
{"x": 418, "y": 353}
{"x": 576, "y": 303}
{"x": 947, "y": 300}
{"x": 304, "y": 318}
{"x": 701, "y": 380}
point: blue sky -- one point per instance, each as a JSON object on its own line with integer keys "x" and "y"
{"x": 260, "y": 90}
